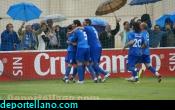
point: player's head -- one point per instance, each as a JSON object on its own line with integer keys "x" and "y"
{"x": 87, "y": 22}
{"x": 76, "y": 23}
{"x": 143, "y": 26}
{"x": 136, "y": 27}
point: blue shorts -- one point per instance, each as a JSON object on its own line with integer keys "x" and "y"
{"x": 83, "y": 54}
{"x": 95, "y": 54}
{"x": 145, "y": 59}
{"x": 70, "y": 58}
{"x": 132, "y": 61}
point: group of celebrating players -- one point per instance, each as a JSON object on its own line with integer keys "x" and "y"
{"x": 84, "y": 51}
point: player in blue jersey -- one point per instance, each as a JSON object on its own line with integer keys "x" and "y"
{"x": 146, "y": 52}
{"x": 95, "y": 48}
{"x": 71, "y": 54}
{"x": 83, "y": 52}
{"x": 135, "y": 42}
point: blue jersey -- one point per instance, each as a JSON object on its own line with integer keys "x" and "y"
{"x": 136, "y": 48}
{"x": 93, "y": 39}
{"x": 70, "y": 46}
{"x": 80, "y": 37}
{"x": 146, "y": 51}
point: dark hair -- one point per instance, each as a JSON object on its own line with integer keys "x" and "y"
{"x": 69, "y": 27}
{"x": 125, "y": 23}
{"x": 47, "y": 30}
{"x": 43, "y": 24}
{"x": 136, "y": 27}
{"x": 145, "y": 17}
{"x": 8, "y": 25}
{"x": 88, "y": 21}
{"x": 157, "y": 25}
{"x": 49, "y": 21}
{"x": 77, "y": 22}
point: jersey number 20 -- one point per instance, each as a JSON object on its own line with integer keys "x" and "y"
{"x": 137, "y": 43}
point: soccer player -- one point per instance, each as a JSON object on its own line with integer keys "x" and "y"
{"x": 95, "y": 49}
{"x": 70, "y": 58}
{"x": 146, "y": 52}
{"x": 83, "y": 52}
{"x": 135, "y": 42}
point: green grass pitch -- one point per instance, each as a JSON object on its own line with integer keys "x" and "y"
{"x": 113, "y": 89}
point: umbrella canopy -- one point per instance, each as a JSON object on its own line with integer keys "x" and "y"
{"x": 98, "y": 22}
{"x": 56, "y": 17}
{"x": 142, "y": 2}
{"x": 24, "y": 11}
{"x": 167, "y": 17}
{"x": 110, "y": 6}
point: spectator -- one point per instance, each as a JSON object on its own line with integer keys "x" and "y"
{"x": 57, "y": 30}
{"x": 63, "y": 37}
{"x": 174, "y": 28}
{"x": 156, "y": 37}
{"x": 107, "y": 37}
{"x": 168, "y": 39}
{"x": 43, "y": 37}
{"x": 124, "y": 33}
{"x": 53, "y": 41}
{"x": 28, "y": 37}
{"x": 9, "y": 39}
{"x": 50, "y": 25}
{"x": 146, "y": 19}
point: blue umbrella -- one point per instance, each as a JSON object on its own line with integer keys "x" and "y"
{"x": 98, "y": 22}
{"x": 143, "y": 2}
{"x": 24, "y": 11}
{"x": 166, "y": 18}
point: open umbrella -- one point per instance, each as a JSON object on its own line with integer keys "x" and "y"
{"x": 167, "y": 17}
{"x": 56, "y": 17}
{"x": 109, "y": 6}
{"x": 143, "y": 2}
{"x": 24, "y": 11}
{"x": 98, "y": 22}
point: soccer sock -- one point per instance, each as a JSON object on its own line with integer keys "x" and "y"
{"x": 91, "y": 70}
{"x": 153, "y": 70}
{"x": 96, "y": 72}
{"x": 68, "y": 69}
{"x": 80, "y": 73}
{"x": 99, "y": 70}
{"x": 74, "y": 72}
{"x": 134, "y": 73}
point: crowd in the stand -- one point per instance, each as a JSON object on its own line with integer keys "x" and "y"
{"x": 47, "y": 36}
{"x": 39, "y": 36}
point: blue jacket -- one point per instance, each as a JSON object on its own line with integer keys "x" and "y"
{"x": 9, "y": 40}
{"x": 28, "y": 41}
